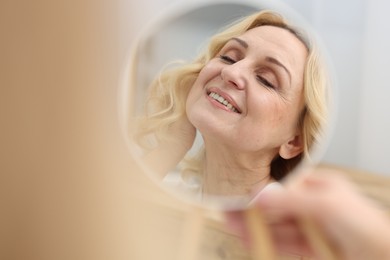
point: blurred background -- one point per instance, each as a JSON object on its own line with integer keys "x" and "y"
{"x": 69, "y": 188}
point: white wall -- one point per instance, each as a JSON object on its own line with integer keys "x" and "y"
{"x": 374, "y": 124}
{"x": 356, "y": 35}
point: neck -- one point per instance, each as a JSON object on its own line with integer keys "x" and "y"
{"x": 228, "y": 172}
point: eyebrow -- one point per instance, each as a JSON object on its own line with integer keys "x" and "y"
{"x": 278, "y": 63}
{"x": 268, "y": 58}
{"x": 241, "y": 42}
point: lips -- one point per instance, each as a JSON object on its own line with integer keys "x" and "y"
{"x": 224, "y": 100}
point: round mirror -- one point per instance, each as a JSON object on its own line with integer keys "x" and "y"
{"x": 221, "y": 101}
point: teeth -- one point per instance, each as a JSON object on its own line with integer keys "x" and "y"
{"x": 223, "y": 101}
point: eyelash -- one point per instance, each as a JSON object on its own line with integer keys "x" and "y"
{"x": 227, "y": 59}
{"x": 259, "y": 78}
{"x": 265, "y": 82}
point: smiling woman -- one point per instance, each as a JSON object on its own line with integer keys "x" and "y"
{"x": 267, "y": 103}
{"x": 257, "y": 96}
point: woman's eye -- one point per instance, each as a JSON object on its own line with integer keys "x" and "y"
{"x": 265, "y": 82}
{"x": 227, "y": 59}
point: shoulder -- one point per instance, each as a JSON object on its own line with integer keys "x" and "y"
{"x": 271, "y": 186}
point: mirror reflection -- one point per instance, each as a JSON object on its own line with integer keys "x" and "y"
{"x": 239, "y": 117}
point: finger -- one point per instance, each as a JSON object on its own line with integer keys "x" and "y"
{"x": 288, "y": 238}
{"x": 235, "y": 221}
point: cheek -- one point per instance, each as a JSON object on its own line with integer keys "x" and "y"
{"x": 192, "y": 97}
{"x": 283, "y": 110}
{"x": 286, "y": 116}
{"x": 210, "y": 70}
{"x": 195, "y": 92}
{"x": 273, "y": 115}
{"x": 267, "y": 107}
{"x": 195, "y": 100}
{"x": 207, "y": 74}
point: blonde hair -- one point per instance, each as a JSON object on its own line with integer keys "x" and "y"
{"x": 168, "y": 93}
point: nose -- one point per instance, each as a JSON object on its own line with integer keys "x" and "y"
{"x": 234, "y": 75}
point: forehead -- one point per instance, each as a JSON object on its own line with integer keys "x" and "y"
{"x": 278, "y": 41}
{"x": 273, "y": 34}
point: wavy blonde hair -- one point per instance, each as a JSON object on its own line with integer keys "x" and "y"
{"x": 168, "y": 93}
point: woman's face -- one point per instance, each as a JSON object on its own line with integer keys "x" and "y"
{"x": 250, "y": 96}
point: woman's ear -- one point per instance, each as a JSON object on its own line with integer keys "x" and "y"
{"x": 292, "y": 147}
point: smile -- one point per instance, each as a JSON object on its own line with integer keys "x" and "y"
{"x": 223, "y": 101}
